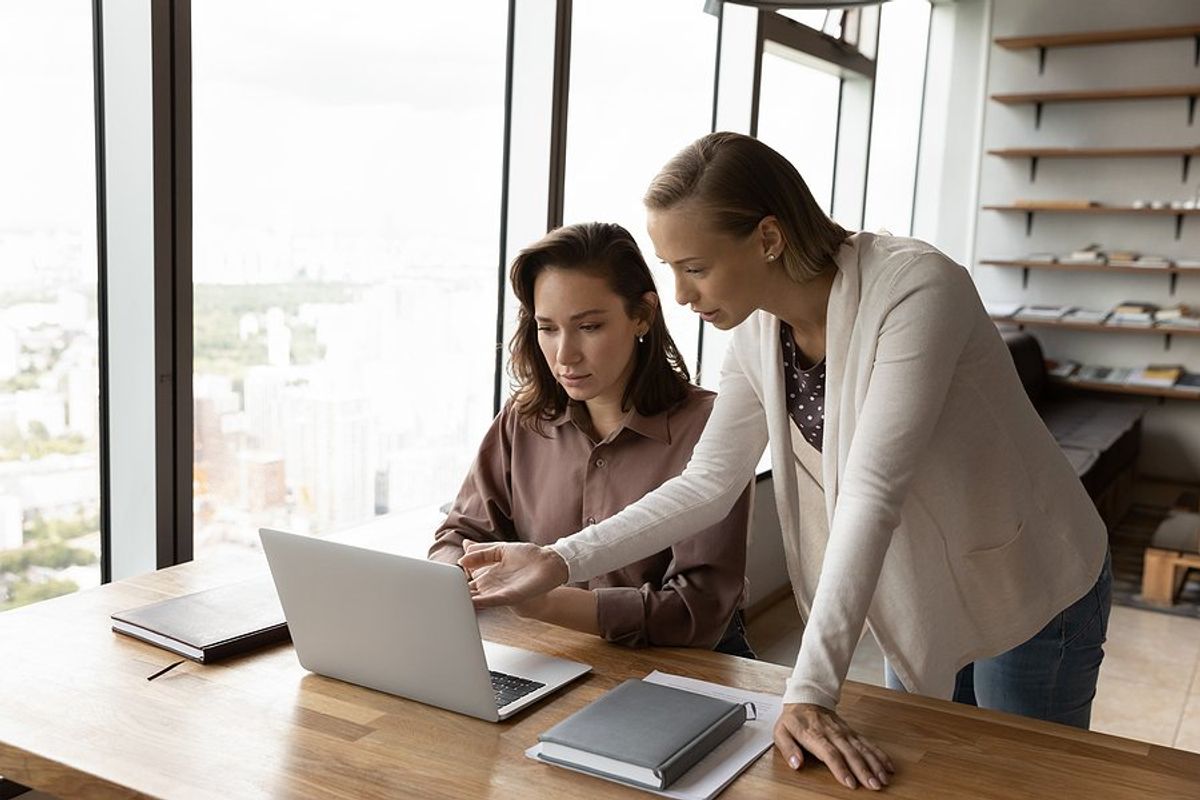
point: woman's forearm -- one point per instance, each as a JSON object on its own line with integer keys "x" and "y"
{"x": 565, "y": 606}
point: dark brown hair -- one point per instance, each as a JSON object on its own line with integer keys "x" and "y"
{"x": 737, "y": 181}
{"x": 660, "y": 377}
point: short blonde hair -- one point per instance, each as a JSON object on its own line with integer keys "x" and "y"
{"x": 737, "y": 181}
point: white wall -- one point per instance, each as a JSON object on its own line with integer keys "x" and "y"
{"x": 950, "y": 216}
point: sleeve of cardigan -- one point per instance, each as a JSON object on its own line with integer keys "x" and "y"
{"x": 702, "y": 495}
{"x": 931, "y": 311}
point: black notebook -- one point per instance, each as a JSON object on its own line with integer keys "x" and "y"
{"x": 210, "y": 625}
{"x": 642, "y": 733}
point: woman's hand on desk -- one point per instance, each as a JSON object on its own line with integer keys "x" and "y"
{"x": 851, "y": 758}
{"x": 506, "y": 573}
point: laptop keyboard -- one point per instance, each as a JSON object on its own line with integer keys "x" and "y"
{"x": 508, "y": 688}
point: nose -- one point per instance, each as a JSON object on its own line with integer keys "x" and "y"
{"x": 685, "y": 292}
{"x": 568, "y": 350}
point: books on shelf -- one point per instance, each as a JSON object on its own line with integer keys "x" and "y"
{"x": 1087, "y": 316}
{"x": 1188, "y": 262}
{"x": 1041, "y": 258}
{"x": 1001, "y": 310}
{"x": 1188, "y": 382}
{"x": 1095, "y": 373}
{"x": 1044, "y": 312}
{"x": 1133, "y": 314}
{"x": 1152, "y": 262}
{"x": 1061, "y": 369}
{"x": 1161, "y": 376}
{"x": 642, "y": 733}
{"x": 1177, "y": 316}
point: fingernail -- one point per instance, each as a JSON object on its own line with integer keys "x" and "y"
{"x": 874, "y": 784}
{"x": 850, "y": 782}
{"x": 883, "y": 778}
{"x": 794, "y": 762}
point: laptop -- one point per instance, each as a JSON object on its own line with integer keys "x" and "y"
{"x": 404, "y": 626}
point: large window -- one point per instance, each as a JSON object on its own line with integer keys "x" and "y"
{"x": 896, "y": 121}
{"x": 49, "y": 420}
{"x": 641, "y": 89}
{"x": 798, "y": 116}
{"x": 347, "y": 168}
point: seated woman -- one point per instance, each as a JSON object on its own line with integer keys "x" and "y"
{"x": 602, "y": 413}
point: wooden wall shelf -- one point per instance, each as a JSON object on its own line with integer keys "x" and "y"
{"x": 1039, "y": 99}
{"x": 1097, "y": 37}
{"x": 1030, "y": 210}
{"x": 1121, "y": 388}
{"x": 1173, "y": 273}
{"x": 1093, "y": 327}
{"x": 1034, "y": 154}
{"x": 1098, "y": 95}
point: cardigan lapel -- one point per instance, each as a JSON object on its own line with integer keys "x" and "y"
{"x": 839, "y": 325}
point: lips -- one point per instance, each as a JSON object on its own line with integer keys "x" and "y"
{"x": 573, "y": 379}
{"x": 707, "y": 316}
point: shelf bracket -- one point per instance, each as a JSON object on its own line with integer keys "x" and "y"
{"x": 1187, "y": 165}
{"x": 1191, "y": 109}
{"x": 1029, "y": 224}
{"x": 1042, "y": 57}
{"x": 1037, "y": 113}
{"x": 1033, "y": 165}
{"x": 1178, "y": 226}
{"x": 1174, "y": 283}
{"x": 1025, "y": 277}
{"x": 1196, "y": 57}
{"x": 1166, "y": 341}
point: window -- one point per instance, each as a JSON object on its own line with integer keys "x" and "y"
{"x": 625, "y": 122}
{"x": 896, "y": 122}
{"x": 798, "y": 116}
{"x": 347, "y": 169}
{"x": 49, "y": 376}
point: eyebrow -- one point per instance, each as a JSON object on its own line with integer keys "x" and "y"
{"x": 574, "y": 317}
{"x": 678, "y": 260}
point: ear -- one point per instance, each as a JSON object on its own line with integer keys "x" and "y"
{"x": 771, "y": 236}
{"x": 647, "y": 309}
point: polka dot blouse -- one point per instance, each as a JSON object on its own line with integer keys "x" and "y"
{"x": 805, "y": 389}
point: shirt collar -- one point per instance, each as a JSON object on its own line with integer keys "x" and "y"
{"x": 656, "y": 427}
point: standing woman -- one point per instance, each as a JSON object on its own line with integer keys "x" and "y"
{"x": 918, "y": 490}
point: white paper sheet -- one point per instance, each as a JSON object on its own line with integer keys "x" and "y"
{"x": 729, "y": 759}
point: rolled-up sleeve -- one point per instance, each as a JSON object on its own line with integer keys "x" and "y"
{"x": 482, "y": 511}
{"x": 700, "y": 590}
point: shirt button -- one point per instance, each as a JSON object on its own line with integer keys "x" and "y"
{"x": 591, "y": 520}
{"x": 600, "y": 462}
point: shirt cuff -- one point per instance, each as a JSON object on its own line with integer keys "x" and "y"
{"x": 567, "y": 552}
{"x": 621, "y": 615}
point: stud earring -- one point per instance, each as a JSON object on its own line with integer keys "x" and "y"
{"x": 770, "y": 256}
{"x": 641, "y": 338}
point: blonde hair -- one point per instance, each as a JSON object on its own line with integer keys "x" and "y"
{"x": 736, "y": 181}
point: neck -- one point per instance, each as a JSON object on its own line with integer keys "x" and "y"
{"x": 804, "y": 306}
{"x": 605, "y": 413}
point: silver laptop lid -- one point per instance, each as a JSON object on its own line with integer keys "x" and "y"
{"x": 400, "y": 625}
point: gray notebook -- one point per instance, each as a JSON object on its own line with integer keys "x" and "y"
{"x": 642, "y": 733}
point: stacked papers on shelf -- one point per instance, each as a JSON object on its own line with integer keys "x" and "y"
{"x": 1161, "y": 376}
{"x": 1099, "y": 374}
{"x": 1001, "y": 310}
{"x": 1042, "y": 258}
{"x": 1152, "y": 261}
{"x": 1044, "y": 312}
{"x": 1086, "y": 315}
{"x": 1061, "y": 369}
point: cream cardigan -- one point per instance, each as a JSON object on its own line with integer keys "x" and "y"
{"x": 956, "y": 527}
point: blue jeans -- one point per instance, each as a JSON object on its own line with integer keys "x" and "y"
{"x": 1053, "y": 675}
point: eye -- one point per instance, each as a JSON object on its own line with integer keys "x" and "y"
{"x": 590, "y": 326}
{"x": 693, "y": 271}
{"x": 545, "y": 329}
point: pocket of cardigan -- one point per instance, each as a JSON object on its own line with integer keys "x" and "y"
{"x": 998, "y": 548}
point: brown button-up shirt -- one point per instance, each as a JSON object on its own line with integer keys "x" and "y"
{"x": 525, "y": 486}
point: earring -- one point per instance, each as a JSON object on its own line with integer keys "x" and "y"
{"x": 770, "y": 256}
{"x": 641, "y": 338}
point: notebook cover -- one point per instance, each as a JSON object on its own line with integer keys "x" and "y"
{"x": 647, "y": 725}
{"x": 220, "y": 622}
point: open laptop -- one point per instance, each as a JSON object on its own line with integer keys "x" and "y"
{"x": 401, "y": 625}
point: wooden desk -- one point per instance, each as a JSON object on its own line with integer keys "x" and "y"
{"x": 79, "y": 720}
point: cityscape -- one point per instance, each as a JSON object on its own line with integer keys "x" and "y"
{"x": 311, "y": 404}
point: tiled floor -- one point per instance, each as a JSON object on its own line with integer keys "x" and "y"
{"x": 1149, "y": 686}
